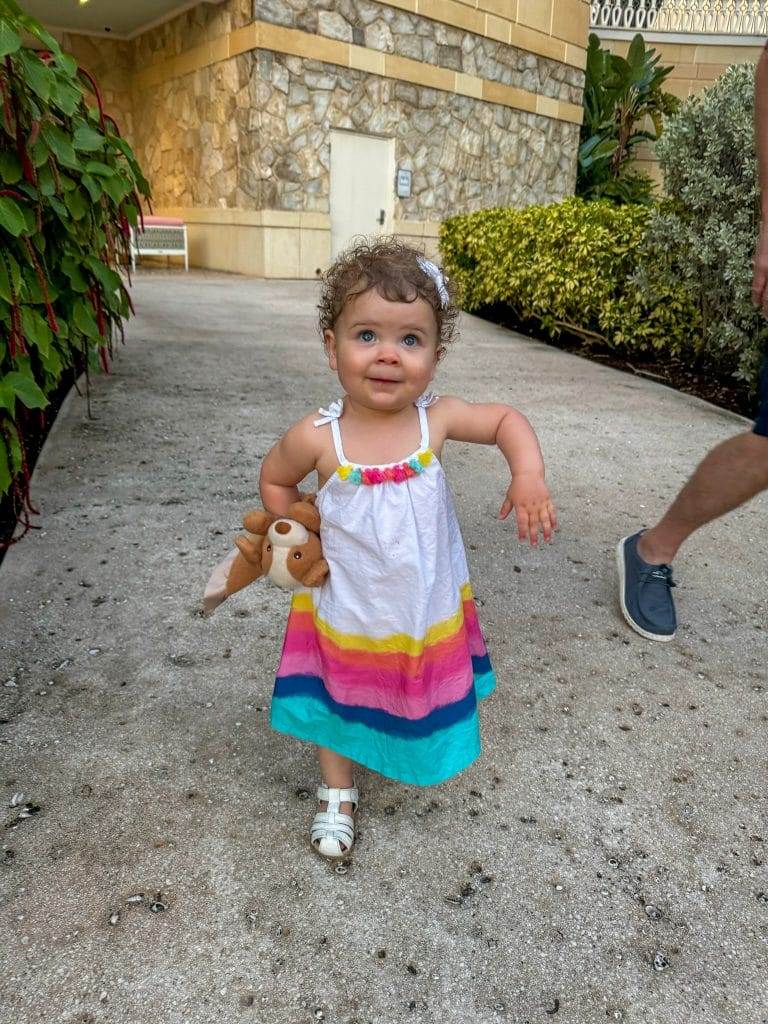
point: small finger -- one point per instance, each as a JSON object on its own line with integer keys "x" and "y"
{"x": 506, "y": 508}
{"x": 522, "y": 524}
{"x": 546, "y": 527}
{"x": 533, "y": 528}
{"x": 552, "y": 515}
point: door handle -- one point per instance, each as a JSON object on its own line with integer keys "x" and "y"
{"x": 382, "y": 217}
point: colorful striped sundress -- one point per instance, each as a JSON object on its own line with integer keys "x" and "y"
{"x": 385, "y": 662}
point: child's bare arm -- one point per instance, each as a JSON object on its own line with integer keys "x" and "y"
{"x": 510, "y": 431}
{"x": 285, "y": 464}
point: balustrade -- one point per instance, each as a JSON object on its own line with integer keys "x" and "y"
{"x": 717, "y": 17}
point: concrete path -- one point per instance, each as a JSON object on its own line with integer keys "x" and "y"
{"x": 616, "y": 820}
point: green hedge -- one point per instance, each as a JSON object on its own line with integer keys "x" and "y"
{"x": 69, "y": 192}
{"x": 569, "y": 266}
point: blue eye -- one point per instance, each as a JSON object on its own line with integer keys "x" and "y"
{"x": 410, "y": 341}
{"x": 367, "y": 336}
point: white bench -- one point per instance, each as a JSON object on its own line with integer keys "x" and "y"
{"x": 162, "y": 236}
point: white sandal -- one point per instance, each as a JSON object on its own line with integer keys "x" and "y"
{"x": 333, "y": 834}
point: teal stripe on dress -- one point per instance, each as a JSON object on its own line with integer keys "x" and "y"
{"x": 424, "y": 761}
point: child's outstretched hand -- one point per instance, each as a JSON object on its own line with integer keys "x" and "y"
{"x": 528, "y": 494}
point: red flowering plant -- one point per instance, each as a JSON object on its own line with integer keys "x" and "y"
{"x": 70, "y": 191}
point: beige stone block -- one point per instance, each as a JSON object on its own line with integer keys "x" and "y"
{"x": 575, "y": 56}
{"x": 243, "y": 39}
{"x": 536, "y": 14}
{"x": 727, "y": 54}
{"x": 303, "y": 44}
{"x": 509, "y": 96}
{"x": 678, "y": 87}
{"x": 547, "y": 106}
{"x": 314, "y": 220}
{"x": 709, "y": 72}
{"x": 469, "y": 85}
{"x": 363, "y": 59}
{"x": 670, "y": 53}
{"x": 503, "y": 8}
{"x": 538, "y": 43}
{"x": 682, "y": 71}
{"x": 403, "y": 5}
{"x": 408, "y": 70}
{"x": 314, "y": 251}
{"x": 218, "y": 49}
{"x": 570, "y": 21}
{"x": 453, "y": 13}
{"x": 571, "y": 112}
{"x": 282, "y": 252}
{"x": 497, "y": 28}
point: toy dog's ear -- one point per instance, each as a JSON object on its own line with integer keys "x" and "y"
{"x": 306, "y": 514}
{"x": 257, "y": 521}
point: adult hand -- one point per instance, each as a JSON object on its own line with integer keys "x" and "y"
{"x": 760, "y": 275}
{"x": 534, "y": 511}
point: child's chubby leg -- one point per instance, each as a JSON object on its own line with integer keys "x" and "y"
{"x": 336, "y": 772}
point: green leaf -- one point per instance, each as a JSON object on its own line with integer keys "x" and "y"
{"x": 60, "y": 145}
{"x": 93, "y": 186}
{"x": 11, "y": 216}
{"x": 76, "y": 204}
{"x": 36, "y": 329}
{"x": 87, "y": 139}
{"x": 5, "y": 470}
{"x": 75, "y": 274}
{"x": 37, "y": 75}
{"x": 7, "y": 400}
{"x": 26, "y": 390}
{"x": 84, "y": 319}
{"x": 12, "y": 285}
{"x": 107, "y": 278}
{"x": 116, "y": 188}
{"x": 102, "y": 169}
{"x": 10, "y": 41}
{"x": 67, "y": 96}
{"x": 45, "y": 181}
{"x": 10, "y": 168}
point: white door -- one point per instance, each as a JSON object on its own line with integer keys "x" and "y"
{"x": 362, "y": 187}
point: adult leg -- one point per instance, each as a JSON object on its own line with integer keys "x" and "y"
{"x": 730, "y": 475}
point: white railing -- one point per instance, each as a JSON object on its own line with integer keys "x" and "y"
{"x": 718, "y": 17}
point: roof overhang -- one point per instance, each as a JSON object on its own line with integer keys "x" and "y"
{"x": 115, "y": 19}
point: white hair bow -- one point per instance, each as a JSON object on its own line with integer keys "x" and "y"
{"x": 433, "y": 271}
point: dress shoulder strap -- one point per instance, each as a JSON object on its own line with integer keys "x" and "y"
{"x": 422, "y": 404}
{"x": 331, "y": 415}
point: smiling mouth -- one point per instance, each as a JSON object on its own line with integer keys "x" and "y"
{"x": 383, "y": 380}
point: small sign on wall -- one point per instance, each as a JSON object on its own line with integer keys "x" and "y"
{"x": 403, "y": 183}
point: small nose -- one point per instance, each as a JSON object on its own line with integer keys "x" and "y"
{"x": 282, "y": 527}
{"x": 388, "y": 354}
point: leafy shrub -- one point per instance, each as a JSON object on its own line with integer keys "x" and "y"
{"x": 69, "y": 189}
{"x": 569, "y": 266}
{"x": 620, "y": 96}
{"x": 702, "y": 242}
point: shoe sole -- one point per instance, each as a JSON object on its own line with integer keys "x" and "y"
{"x": 662, "y": 638}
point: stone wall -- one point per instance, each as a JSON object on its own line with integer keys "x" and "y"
{"x": 252, "y": 132}
{"x": 389, "y": 30}
{"x": 111, "y": 64}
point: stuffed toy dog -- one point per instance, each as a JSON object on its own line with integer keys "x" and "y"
{"x": 285, "y": 549}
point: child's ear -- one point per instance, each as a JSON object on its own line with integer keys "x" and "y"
{"x": 329, "y": 341}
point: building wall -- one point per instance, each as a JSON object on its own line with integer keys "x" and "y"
{"x": 233, "y": 109}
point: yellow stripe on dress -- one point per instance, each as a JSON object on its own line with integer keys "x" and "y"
{"x": 401, "y": 643}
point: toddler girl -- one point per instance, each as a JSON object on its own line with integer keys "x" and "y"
{"x": 384, "y": 664}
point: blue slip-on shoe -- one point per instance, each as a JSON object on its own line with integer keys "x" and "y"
{"x": 645, "y": 593}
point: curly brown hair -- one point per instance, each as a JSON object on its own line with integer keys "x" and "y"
{"x": 392, "y": 268}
